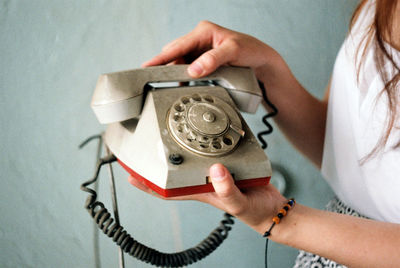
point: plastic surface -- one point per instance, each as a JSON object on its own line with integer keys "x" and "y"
{"x": 205, "y": 188}
{"x": 146, "y": 144}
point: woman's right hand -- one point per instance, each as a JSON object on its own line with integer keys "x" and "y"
{"x": 301, "y": 116}
{"x": 209, "y": 46}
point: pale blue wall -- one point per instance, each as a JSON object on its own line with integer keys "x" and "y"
{"x": 51, "y": 53}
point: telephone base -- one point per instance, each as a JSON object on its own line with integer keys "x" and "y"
{"x": 196, "y": 189}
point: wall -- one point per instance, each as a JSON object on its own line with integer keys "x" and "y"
{"x": 51, "y": 55}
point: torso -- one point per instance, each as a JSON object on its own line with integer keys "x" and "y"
{"x": 356, "y": 121}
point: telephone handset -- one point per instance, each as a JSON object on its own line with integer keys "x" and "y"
{"x": 118, "y": 96}
{"x": 168, "y": 138}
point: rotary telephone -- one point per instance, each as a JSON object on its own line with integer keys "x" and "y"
{"x": 166, "y": 129}
{"x": 169, "y": 137}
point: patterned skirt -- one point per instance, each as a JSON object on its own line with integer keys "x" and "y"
{"x": 309, "y": 260}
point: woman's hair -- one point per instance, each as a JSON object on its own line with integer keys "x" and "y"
{"x": 381, "y": 31}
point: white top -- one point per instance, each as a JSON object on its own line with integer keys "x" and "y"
{"x": 356, "y": 120}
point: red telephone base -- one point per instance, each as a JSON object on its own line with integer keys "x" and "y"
{"x": 205, "y": 188}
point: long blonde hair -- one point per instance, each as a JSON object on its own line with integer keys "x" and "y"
{"x": 381, "y": 31}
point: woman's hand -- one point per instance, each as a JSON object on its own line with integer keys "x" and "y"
{"x": 254, "y": 206}
{"x": 209, "y": 46}
{"x": 301, "y": 116}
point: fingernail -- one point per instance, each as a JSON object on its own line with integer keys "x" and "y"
{"x": 217, "y": 173}
{"x": 195, "y": 69}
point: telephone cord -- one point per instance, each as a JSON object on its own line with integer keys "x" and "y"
{"x": 264, "y": 144}
{"x": 129, "y": 245}
{"x": 274, "y": 112}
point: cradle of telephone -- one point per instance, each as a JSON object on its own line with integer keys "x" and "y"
{"x": 168, "y": 138}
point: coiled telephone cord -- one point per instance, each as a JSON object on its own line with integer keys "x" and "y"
{"x": 129, "y": 245}
{"x": 264, "y": 144}
{"x": 274, "y": 112}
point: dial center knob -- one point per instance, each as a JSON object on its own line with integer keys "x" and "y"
{"x": 208, "y": 119}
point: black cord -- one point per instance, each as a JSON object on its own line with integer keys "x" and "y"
{"x": 89, "y": 139}
{"x": 274, "y": 112}
{"x": 136, "y": 249}
{"x": 96, "y": 246}
{"x": 264, "y": 144}
{"x": 266, "y": 253}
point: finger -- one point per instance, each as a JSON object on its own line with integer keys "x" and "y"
{"x": 195, "y": 42}
{"x": 141, "y": 186}
{"x": 212, "y": 59}
{"x": 179, "y": 60}
{"x": 226, "y": 190}
{"x": 177, "y": 49}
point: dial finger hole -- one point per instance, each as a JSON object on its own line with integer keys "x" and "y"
{"x": 179, "y": 128}
{"x": 191, "y": 137}
{"x": 203, "y": 139}
{"x": 208, "y": 98}
{"x": 227, "y": 140}
{"x": 179, "y": 107}
{"x": 196, "y": 97}
{"x": 177, "y": 118}
{"x": 185, "y": 100}
{"x": 216, "y": 145}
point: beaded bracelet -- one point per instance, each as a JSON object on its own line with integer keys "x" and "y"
{"x": 281, "y": 213}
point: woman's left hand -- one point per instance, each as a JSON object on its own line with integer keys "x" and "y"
{"x": 254, "y": 206}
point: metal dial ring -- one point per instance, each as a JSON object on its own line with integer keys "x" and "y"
{"x": 204, "y": 124}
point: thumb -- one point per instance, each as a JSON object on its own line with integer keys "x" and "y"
{"x": 232, "y": 199}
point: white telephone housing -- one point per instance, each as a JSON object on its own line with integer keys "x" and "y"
{"x": 169, "y": 137}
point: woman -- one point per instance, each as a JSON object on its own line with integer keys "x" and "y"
{"x": 352, "y": 135}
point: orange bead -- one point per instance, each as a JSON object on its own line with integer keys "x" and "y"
{"x": 287, "y": 206}
{"x": 283, "y": 212}
{"x": 276, "y": 220}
